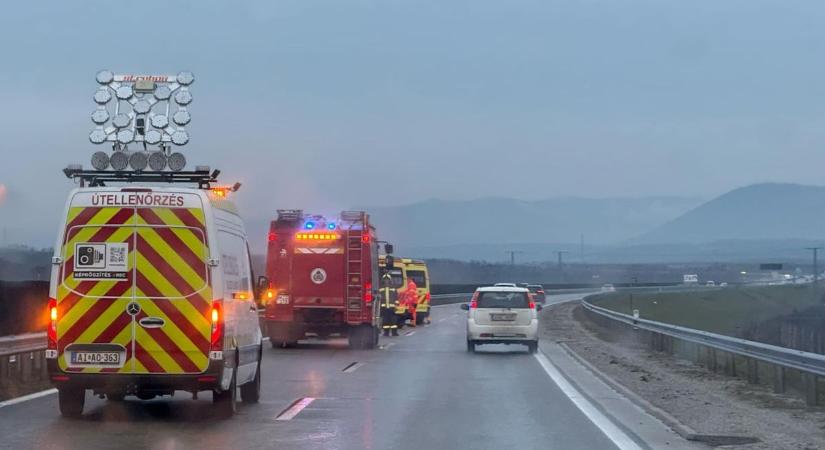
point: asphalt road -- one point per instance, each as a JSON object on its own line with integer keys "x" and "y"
{"x": 421, "y": 390}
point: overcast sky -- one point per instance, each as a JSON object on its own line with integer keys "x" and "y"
{"x": 335, "y": 103}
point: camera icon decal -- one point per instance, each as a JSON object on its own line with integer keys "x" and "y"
{"x": 90, "y": 256}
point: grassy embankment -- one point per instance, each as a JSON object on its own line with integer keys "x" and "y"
{"x": 727, "y": 311}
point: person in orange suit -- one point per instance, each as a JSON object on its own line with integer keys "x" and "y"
{"x": 411, "y": 300}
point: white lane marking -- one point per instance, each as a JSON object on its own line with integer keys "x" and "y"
{"x": 442, "y": 319}
{"x": 352, "y": 368}
{"x": 388, "y": 345}
{"x": 28, "y": 397}
{"x": 409, "y": 333}
{"x": 614, "y": 433}
{"x": 296, "y": 408}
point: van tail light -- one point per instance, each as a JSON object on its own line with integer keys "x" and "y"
{"x": 368, "y": 292}
{"x": 216, "y": 316}
{"x": 473, "y": 304}
{"x": 532, "y": 304}
{"x": 52, "y": 331}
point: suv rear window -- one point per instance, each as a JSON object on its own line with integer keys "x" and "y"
{"x": 535, "y": 288}
{"x": 503, "y": 300}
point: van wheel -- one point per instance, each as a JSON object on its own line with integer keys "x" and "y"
{"x": 226, "y": 402}
{"x": 471, "y": 346}
{"x": 71, "y": 401}
{"x": 251, "y": 392}
{"x": 533, "y": 347}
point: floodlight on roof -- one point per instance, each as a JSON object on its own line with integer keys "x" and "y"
{"x": 119, "y": 160}
{"x": 157, "y": 160}
{"x": 100, "y": 160}
{"x": 176, "y": 161}
{"x": 138, "y": 161}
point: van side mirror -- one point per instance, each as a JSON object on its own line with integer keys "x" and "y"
{"x": 388, "y": 249}
{"x": 465, "y": 306}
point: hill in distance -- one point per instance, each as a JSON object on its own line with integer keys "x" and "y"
{"x": 510, "y": 221}
{"x": 759, "y": 212}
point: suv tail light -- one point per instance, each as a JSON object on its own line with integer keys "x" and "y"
{"x": 216, "y": 317}
{"x": 52, "y": 331}
{"x": 532, "y": 304}
{"x": 474, "y": 301}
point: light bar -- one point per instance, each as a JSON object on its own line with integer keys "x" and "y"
{"x": 320, "y": 236}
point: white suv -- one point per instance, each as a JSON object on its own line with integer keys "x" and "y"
{"x": 502, "y": 315}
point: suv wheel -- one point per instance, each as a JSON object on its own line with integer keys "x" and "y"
{"x": 471, "y": 346}
{"x": 71, "y": 401}
{"x": 226, "y": 402}
{"x": 251, "y": 392}
{"x": 533, "y": 347}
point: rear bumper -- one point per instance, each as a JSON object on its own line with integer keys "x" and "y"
{"x": 211, "y": 379}
{"x": 502, "y": 333}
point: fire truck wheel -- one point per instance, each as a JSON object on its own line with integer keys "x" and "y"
{"x": 226, "y": 402}
{"x": 71, "y": 401}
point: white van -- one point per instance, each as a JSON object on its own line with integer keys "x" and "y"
{"x": 151, "y": 292}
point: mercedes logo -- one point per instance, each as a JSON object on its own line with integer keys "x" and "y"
{"x": 133, "y": 308}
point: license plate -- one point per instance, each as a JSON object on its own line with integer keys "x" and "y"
{"x": 502, "y": 317}
{"x": 96, "y": 358}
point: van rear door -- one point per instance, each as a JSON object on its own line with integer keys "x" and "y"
{"x": 94, "y": 330}
{"x": 172, "y": 288}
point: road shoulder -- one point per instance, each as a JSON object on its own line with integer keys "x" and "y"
{"x": 690, "y": 399}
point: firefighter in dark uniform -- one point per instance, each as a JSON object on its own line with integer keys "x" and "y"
{"x": 389, "y": 300}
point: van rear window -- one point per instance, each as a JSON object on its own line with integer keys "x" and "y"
{"x": 503, "y": 300}
{"x": 419, "y": 276}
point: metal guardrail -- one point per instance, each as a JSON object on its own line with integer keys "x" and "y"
{"x": 794, "y": 359}
{"x": 810, "y": 364}
{"x": 447, "y": 299}
{"x": 31, "y": 342}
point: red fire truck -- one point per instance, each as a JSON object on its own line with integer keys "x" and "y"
{"x": 322, "y": 278}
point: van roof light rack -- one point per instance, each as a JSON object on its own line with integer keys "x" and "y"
{"x": 97, "y": 178}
